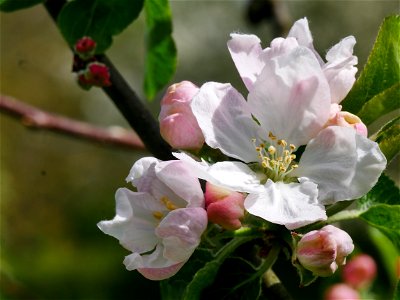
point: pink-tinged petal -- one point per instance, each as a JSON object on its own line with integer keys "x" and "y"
{"x": 232, "y": 175}
{"x": 224, "y": 117}
{"x": 182, "y": 180}
{"x": 160, "y": 273}
{"x": 154, "y": 259}
{"x": 343, "y": 241}
{"x": 134, "y": 223}
{"x": 290, "y": 204}
{"x": 344, "y": 164}
{"x": 339, "y": 70}
{"x": 279, "y": 46}
{"x": 296, "y": 93}
{"x": 181, "y": 232}
{"x": 301, "y": 32}
{"x": 245, "y": 51}
{"x": 341, "y": 291}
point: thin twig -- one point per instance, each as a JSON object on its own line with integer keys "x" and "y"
{"x": 37, "y": 118}
{"x": 129, "y": 104}
{"x": 273, "y": 287}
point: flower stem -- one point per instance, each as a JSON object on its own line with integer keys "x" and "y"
{"x": 274, "y": 289}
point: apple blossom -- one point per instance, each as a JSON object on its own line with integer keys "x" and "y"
{"x": 161, "y": 223}
{"x": 288, "y": 106}
{"x": 322, "y": 251}
{"x": 178, "y": 126}
{"x": 224, "y": 207}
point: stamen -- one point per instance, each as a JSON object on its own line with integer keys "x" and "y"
{"x": 276, "y": 157}
{"x": 168, "y": 204}
{"x": 158, "y": 215}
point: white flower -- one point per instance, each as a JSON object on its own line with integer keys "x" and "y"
{"x": 290, "y": 94}
{"x": 161, "y": 223}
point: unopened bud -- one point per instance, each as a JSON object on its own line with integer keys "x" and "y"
{"x": 341, "y": 291}
{"x": 360, "y": 271}
{"x": 85, "y": 47}
{"x": 224, "y": 207}
{"x": 95, "y": 74}
{"x": 178, "y": 125}
{"x": 346, "y": 119}
{"x": 322, "y": 251}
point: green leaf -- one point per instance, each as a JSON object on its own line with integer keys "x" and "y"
{"x": 13, "y": 5}
{"x": 381, "y": 104}
{"x": 381, "y": 71}
{"x": 385, "y": 218}
{"x": 98, "y": 19}
{"x": 396, "y": 295}
{"x": 161, "y": 52}
{"x": 384, "y": 192}
{"x": 388, "y": 139}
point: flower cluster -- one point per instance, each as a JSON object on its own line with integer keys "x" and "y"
{"x": 281, "y": 156}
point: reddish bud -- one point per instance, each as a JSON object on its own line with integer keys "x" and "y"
{"x": 95, "y": 74}
{"x": 178, "y": 125}
{"x": 224, "y": 207}
{"x": 85, "y": 47}
{"x": 360, "y": 271}
{"x": 341, "y": 291}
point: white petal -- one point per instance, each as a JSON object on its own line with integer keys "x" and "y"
{"x": 224, "y": 117}
{"x": 160, "y": 273}
{"x": 245, "y": 51}
{"x": 152, "y": 260}
{"x": 134, "y": 223}
{"x": 182, "y": 181}
{"x": 181, "y": 231}
{"x": 291, "y": 97}
{"x": 291, "y": 204}
{"x": 140, "y": 167}
{"x": 344, "y": 164}
{"x": 340, "y": 70}
{"x": 232, "y": 175}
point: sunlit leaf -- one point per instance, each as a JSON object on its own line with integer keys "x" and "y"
{"x": 381, "y": 104}
{"x": 98, "y": 19}
{"x": 381, "y": 72}
{"x": 161, "y": 51}
{"x": 13, "y": 5}
{"x": 388, "y": 139}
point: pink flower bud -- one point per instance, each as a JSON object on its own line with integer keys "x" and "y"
{"x": 96, "y": 74}
{"x": 322, "y": 251}
{"x": 224, "y": 207}
{"x": 346, "y": 119}
{"x": 85, "y": 47}
{"x": 360, "y": 271}
{"x": 341, "y": 291}
{"x": 178, "y": 125}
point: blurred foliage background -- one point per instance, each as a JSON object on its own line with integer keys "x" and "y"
{"x": 54, "y": 189}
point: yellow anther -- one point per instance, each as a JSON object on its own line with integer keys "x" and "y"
{"x": 295, "y": 166}
{"x": 292, "y": 147}
{"x": 158, "y": 215}
{"x": 253, "y": 140}
{"x": 282, "y": 143}
{"x": 271, "y": 150}
{"x": 168, "y": 204}
{"x": 265, "y": 164}
{"x": 262, "y": 145}
{"x": 286, "y": 153}
{"x": 271, "y": 136}
{"x": 258, "y": 149}
{"x": 293, "y": 156}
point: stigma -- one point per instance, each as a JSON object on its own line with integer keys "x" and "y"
{"x": 276, "y": 157}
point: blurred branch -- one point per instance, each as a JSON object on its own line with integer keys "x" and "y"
{"x": 36, "y": 118}
{"x": 126, "y": 100}
{"x": 270, "y": 10}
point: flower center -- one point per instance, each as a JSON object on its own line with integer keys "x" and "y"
{"x": 169, "y": 205}
{"x": 276, "y": 157}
